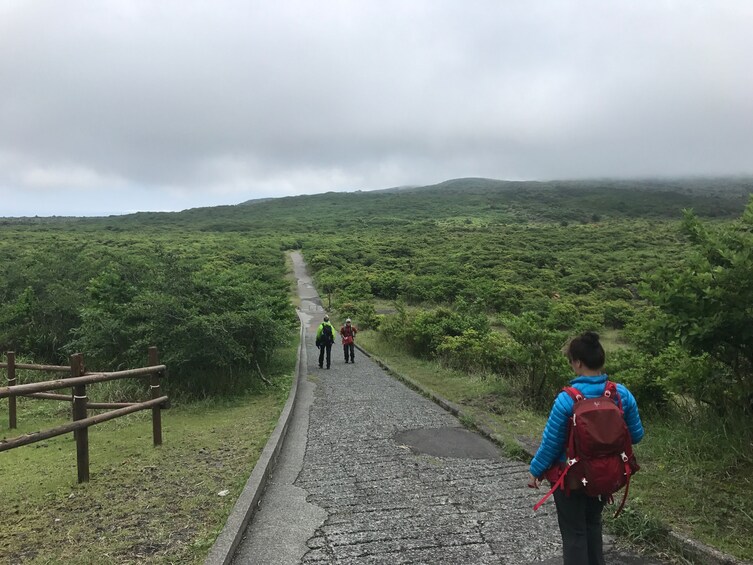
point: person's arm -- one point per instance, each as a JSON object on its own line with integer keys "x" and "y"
{"x": 631, "y": 414}
{"x": 554, "y": 436}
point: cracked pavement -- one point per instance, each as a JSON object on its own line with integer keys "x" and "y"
{"x": 386, "y": 502}
{"x": 373, "y": 472}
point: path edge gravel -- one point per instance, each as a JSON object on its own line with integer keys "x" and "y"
{"x": 226, "y": 544}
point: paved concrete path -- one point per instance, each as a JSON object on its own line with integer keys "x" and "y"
{"x": 372, "y": 472}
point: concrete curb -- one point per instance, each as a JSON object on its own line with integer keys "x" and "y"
{"x": 691, "y": 549}
{"x": 699, "y": 553}
{"x": 227, "y": 542}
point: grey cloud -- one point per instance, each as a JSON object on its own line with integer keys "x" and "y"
{"x": 192, "y": 102}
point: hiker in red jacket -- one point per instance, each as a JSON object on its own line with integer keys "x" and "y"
{"x": 578, "y": 514}
{"x": 348, "y": 333}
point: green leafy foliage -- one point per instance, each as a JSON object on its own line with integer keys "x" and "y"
{"x": 648, "y": 376}
{"x": 538, "y": 352}
{"x": 203, "y": 283}
{"x": 216, "y": 307}
{"x": 362, "y": 310}
{"x": 707, "y": 307}
{"x": 423, "y": 331}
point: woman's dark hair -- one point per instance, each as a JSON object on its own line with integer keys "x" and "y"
{"x": 586, "y": 349}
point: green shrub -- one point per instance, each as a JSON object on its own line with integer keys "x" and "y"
{"x": 473, "y": 352}
{"x": 645, "y": 375}
{"x": 707, "y": 305}
{"x": 362, "y": 313}
{"x": 537, "y": 350}
{"x": 617, "y": 313}
{"x": 422, "y": 332}
{"x": 429, "y": 327}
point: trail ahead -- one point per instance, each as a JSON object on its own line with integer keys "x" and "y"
{"x": 372, "y": 472}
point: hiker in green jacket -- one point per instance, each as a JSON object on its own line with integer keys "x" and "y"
{"x": 325, "y": 337}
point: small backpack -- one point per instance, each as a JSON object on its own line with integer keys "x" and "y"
{"x": 599, "y": 449}
{"x": 327, "y": 335}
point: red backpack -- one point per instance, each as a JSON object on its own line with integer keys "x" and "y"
{"x": 599, "y": 450}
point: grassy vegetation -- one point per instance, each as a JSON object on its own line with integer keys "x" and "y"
{"x": 697, "y": 479}
{"x": 162, "y": 505}
{"x": 528, "y": 260}
{"x": 691, "y": 480}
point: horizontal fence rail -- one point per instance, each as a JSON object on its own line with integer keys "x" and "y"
{"x": 77, "y": 380}
{"x": 31, "y": 366}
{"x": 22, "y": 390}
{"x": 79, "y": 424}
{"x": 67, "y": 398}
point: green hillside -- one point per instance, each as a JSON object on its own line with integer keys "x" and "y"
{"x": 489, "y": 200}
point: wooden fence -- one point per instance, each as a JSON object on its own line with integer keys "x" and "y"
{"x": 77, "y": 379}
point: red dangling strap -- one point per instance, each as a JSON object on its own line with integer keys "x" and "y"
{"x": 627, "y": 487}
{"x": 576, "y": 395}
{"x": 559, "y": 484}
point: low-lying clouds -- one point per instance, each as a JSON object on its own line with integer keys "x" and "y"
{"x": 133, "y": 105}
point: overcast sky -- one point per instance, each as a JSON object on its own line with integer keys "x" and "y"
{"x": 108, "y": 107}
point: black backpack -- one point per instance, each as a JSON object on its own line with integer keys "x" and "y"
{"x": 327, "y": 334}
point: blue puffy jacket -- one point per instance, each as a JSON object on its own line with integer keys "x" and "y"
{"x": 553, "y": 441}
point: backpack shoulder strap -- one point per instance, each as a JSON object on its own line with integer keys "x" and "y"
{"x": 610, "y": 391}
{"x": 574, "y": 393}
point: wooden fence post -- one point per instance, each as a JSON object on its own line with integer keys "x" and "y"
{"x": 156, "y": 393}
{"x": 11, "y": 382}
{"x": 79, "y": 413}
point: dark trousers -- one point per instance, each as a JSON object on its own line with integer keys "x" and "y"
{"x": 349, "y": 349}
{"x": 579, "y": 517}
{"x": 322, "y": 348}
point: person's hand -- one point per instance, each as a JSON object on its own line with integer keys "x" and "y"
{"x": 533, "y": 482}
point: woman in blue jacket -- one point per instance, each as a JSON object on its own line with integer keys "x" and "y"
{"x": 579, "y": 516}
